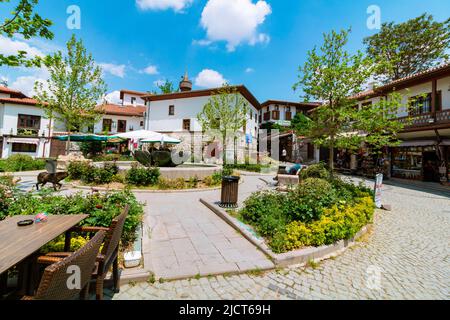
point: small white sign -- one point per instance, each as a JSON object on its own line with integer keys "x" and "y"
{"x": 377, "y": 190}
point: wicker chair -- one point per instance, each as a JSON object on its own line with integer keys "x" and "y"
{"x": 54, "y": 282}
{"x": 109, "y": 255}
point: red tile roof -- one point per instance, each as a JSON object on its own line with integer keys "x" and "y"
{"x": 427, "y": 75}
{"x": 137, "y": 93}
{"x": 202, "y": 93}
{"x": 290, "y": 103}
{"x": 11, "y": 92}
{"x": 26, "y": 101}
{"x": 131, "y": 111}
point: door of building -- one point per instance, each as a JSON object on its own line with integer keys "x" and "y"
{"x": 430, "y": 167}
{"x": 122, "y": 126}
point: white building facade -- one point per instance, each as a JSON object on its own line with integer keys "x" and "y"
{"x": 175, "y": 114}
{"x": 25, "y": 129}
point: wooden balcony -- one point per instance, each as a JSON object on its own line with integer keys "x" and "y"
{"x": 426, "y": 119}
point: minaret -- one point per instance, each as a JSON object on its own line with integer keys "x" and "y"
{"x": 185, "y": 84}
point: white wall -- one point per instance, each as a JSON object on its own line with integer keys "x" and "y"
{"x": 186, "y": 108}
{"x": 10, "y": 114}
{"x": 127, "y": 99}
{"x": 132, "y": 122}
{"x": 283, "y": 109}
{"x": 443, "y": 85}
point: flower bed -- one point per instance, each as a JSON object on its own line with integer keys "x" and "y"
{"x": 101, "y": 208}
{"x": 136, "y": 177}
{"x": 320, "y": 210}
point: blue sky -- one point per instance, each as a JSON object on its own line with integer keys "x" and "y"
{"x": 256, "y": 43}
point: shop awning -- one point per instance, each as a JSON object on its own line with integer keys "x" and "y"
{"x": 445, "y": 142}
{"x": 418, "y": 143}
{"x": 24, "y": 141}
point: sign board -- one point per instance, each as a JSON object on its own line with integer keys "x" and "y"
{"x": 377, "y": 190}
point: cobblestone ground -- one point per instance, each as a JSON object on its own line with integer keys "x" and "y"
{"x": 406, "y": 256}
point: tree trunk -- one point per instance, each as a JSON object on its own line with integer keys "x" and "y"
{"x": 224, "y": 151}
{"x": 235, "y": 150}
{"x": 68, "y": 144}
{"x": 331, "y": 159}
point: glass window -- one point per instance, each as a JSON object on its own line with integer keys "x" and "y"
{"x": 24, "y": 147}
{"x": 26, "y": 121}
{"x": 420, "y": 104}
{"x": 171, "y": 110}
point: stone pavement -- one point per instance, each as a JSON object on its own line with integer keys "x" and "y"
{"x": 405, "y": 257}
{"x": 183, "y": 238}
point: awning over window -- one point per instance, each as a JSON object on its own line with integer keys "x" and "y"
{"x": 418, "y": 143}
{"x": 24, "y": 140}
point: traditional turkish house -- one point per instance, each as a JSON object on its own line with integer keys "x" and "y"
{"x": 24, "y": 126}
{"x": 126, "y": 116}
{"x": 176, "y": 113}
{"x": 276, "y": 112}
{"x": 424, "y": 153}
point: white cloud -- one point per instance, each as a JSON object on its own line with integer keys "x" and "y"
{"x": 10, "y": 46}
{"x": 26, "y": 83}
{"x": 151, "y": 70}
{"x": 235, "y": 21}
{"x": 113, "y": 97}
{"x": 202, "y": 42}
{"x": 159, "y": 82}
{"x": 176, "y": 5}
{"x": 117, "y": 70}
{"x": 208, "y": 78}
{"x": 249, "y": 70}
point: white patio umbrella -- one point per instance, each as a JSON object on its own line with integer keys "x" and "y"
{"x": 137, "y": 135}
{"x": 161, "y": 138}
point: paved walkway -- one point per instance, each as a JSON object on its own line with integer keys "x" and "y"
{"x": 183, "y": 238}
{"x": 405, "y": 257}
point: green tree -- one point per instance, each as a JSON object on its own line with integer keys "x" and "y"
{"x": 166, "y": 87}
{"x": 75, "y": 86}
{"x": 332, "y": 76}
{"x": 225, "y": 114}
{"x": 24, "y": 21}
{"x": 400, "y": 50}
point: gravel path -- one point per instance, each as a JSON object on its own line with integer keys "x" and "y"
{"x": 406, "y": 256}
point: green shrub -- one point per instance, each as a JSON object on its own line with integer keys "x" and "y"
{"x": 90, "y": 174}
{"x": 337, "y": 223}
{"x": 315, "y": 171}
{"x": 306, "y": 202}
{"x": 101, "y": 207}
{"x": 252, "y": 167}
{"x": 76, "y": 169}
{"x": 193, "y": 182}
{"x": 315, "y": 213}
{"x": 21, "y": 162}
{"x": 142, "y": 176}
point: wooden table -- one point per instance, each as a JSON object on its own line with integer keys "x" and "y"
{"x": 17, "y": 243}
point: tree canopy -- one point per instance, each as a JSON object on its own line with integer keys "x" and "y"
{"x": 74, "y": 87}
{"x": 333, "y": 76}
{"x": 224, "y": 114}
{"x": 25, "y": 22}
{"x": 402, "y": 49}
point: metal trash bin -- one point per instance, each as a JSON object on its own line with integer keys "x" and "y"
{"x": 51, "y": 165}
{"x": 230, "y": 187}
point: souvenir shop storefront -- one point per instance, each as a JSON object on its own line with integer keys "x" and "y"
{"x": 424, "y": 160}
